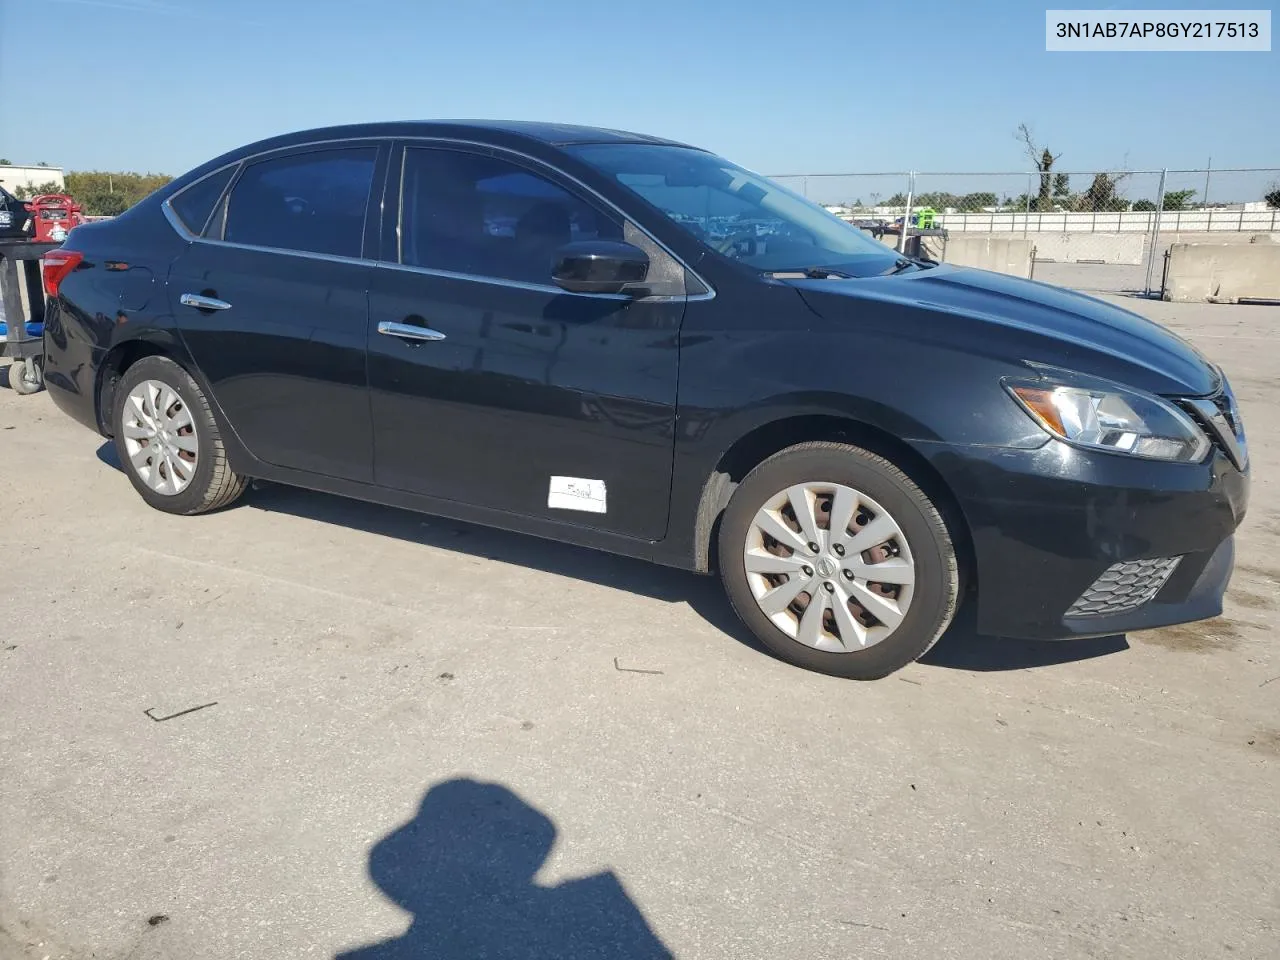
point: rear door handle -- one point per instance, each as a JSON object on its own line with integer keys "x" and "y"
{"x": 201, "y": 302}
{"x": 408, "y": 331}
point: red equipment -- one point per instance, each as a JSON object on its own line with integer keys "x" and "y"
{"x": 54, "y": 214}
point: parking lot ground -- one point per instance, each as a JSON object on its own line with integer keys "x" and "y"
{"x": 432, "y": 739}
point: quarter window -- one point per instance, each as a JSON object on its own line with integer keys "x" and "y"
{"x": 194, "y": 204}
{"x": 479, "y": 215}
{"x": 313, "y": 202}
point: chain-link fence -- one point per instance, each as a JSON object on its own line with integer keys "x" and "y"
{"x": 860, "y": 192}
{"x": 1104, "y": 230}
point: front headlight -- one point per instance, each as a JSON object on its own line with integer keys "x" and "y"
{"x": 1112, "y": 418}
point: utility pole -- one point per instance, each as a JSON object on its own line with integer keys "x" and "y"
{"x": 1204, "y": 197}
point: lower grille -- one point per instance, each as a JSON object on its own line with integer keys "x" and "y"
{"x": 1124, "y": 586}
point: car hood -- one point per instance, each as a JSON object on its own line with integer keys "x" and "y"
{"x": 1023, "y": 320}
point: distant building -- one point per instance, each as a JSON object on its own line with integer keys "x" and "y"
{"x": 14, "y": 177}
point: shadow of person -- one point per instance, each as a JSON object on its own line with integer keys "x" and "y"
{"x": 464, "y": 866}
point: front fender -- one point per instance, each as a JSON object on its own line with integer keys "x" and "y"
{"x": 876, "y": 378}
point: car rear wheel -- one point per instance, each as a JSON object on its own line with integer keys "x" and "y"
{"x": 168, "y": 441}
{"x": 837, "y": 561}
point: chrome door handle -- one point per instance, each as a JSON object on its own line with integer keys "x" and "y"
{"x": 408, "y": 331}
{"x": 202, "y": 302}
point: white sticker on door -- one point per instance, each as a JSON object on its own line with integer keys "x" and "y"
{"x": 576, "y": 493}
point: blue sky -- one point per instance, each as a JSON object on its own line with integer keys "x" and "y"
{"x": 810, "y": 85}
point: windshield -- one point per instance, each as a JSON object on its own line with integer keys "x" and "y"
{"x": 738, "y": 213}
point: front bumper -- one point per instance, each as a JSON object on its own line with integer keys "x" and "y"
{"x": 1047, "y": 523}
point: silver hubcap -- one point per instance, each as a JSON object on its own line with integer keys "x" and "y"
{"x": 160, "y": 437}
{"x": 829, "y": 567}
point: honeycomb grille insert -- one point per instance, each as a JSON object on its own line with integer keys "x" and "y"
{"x": 1124, "y": 586}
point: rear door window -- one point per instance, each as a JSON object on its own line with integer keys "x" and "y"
{"x": 194, "y": 204}
{"x": 313, "y": 202}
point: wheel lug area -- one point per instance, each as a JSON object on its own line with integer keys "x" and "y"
{"x": 829, "y": 587}
{"x": 848, "y": 574}
{"x": 813, "y": 548}
{"x": 839, "y": 549}
{"x": 807, "y": 570}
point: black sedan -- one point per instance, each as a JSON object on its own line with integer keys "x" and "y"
{"x": 635, "y": 345}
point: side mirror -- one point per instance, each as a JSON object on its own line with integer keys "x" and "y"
{"x": 600, "y": 266}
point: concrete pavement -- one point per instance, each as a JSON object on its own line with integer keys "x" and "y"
{"x": 429, "y": 738}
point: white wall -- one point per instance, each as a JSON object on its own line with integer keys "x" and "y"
{"x": 1171, "y": 221}
{"x": 13, "y": 177}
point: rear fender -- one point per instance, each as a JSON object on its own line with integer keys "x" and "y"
{"x": 159, "y": 336}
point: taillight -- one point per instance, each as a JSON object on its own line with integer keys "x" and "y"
{"x": 57, "y": 264}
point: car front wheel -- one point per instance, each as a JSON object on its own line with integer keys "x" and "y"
{"x": 837, "y": 561}
{"x": 168, "y": 441}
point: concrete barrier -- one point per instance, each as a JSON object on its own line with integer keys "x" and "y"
{"x": 1011, "y": 255}
{"x": 1127, "y": 248}
{"x": 1090, "y": 247}
{"x": 1223, "y": 272}
{"x": 1059, "y": 247}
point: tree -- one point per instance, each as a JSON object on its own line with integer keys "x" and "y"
{"x": 977, "y": 201}
{"x": 1043, "y": 161}
{"x": 1102, "y": 194}
{"x": 938, "y": 199}
{"x": 26, "y": 192}
{"x": 5, "y": 163}
{"x": 1061, "y": 186}
{"x": 1143, "y": 206}
{"x": 107, "y": 194}
{"x": 102, "y": 204}
{"x": 1273, "y": 199}
{"x": 1177, "y": 199}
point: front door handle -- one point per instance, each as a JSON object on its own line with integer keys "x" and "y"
{"x": 407, "y": 331}
{"x": 201, "y": 302}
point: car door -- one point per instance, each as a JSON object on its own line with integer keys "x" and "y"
{"x": 272, "y": 303}
{"x": 508, "y": 392}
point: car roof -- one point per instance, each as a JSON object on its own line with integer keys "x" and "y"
{"x": 551, "y": 134}
{"x": 513, "y": 134}
{"x": 562, "y": 134}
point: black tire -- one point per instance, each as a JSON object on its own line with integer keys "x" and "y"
{"x": 937, "y": 586}
{"x": 214, "y": 485}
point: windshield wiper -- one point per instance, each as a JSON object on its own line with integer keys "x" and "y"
{"x": 811, "y": 273}
{"x": 902, "y": 263}
{"x": 906, "y": 263}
